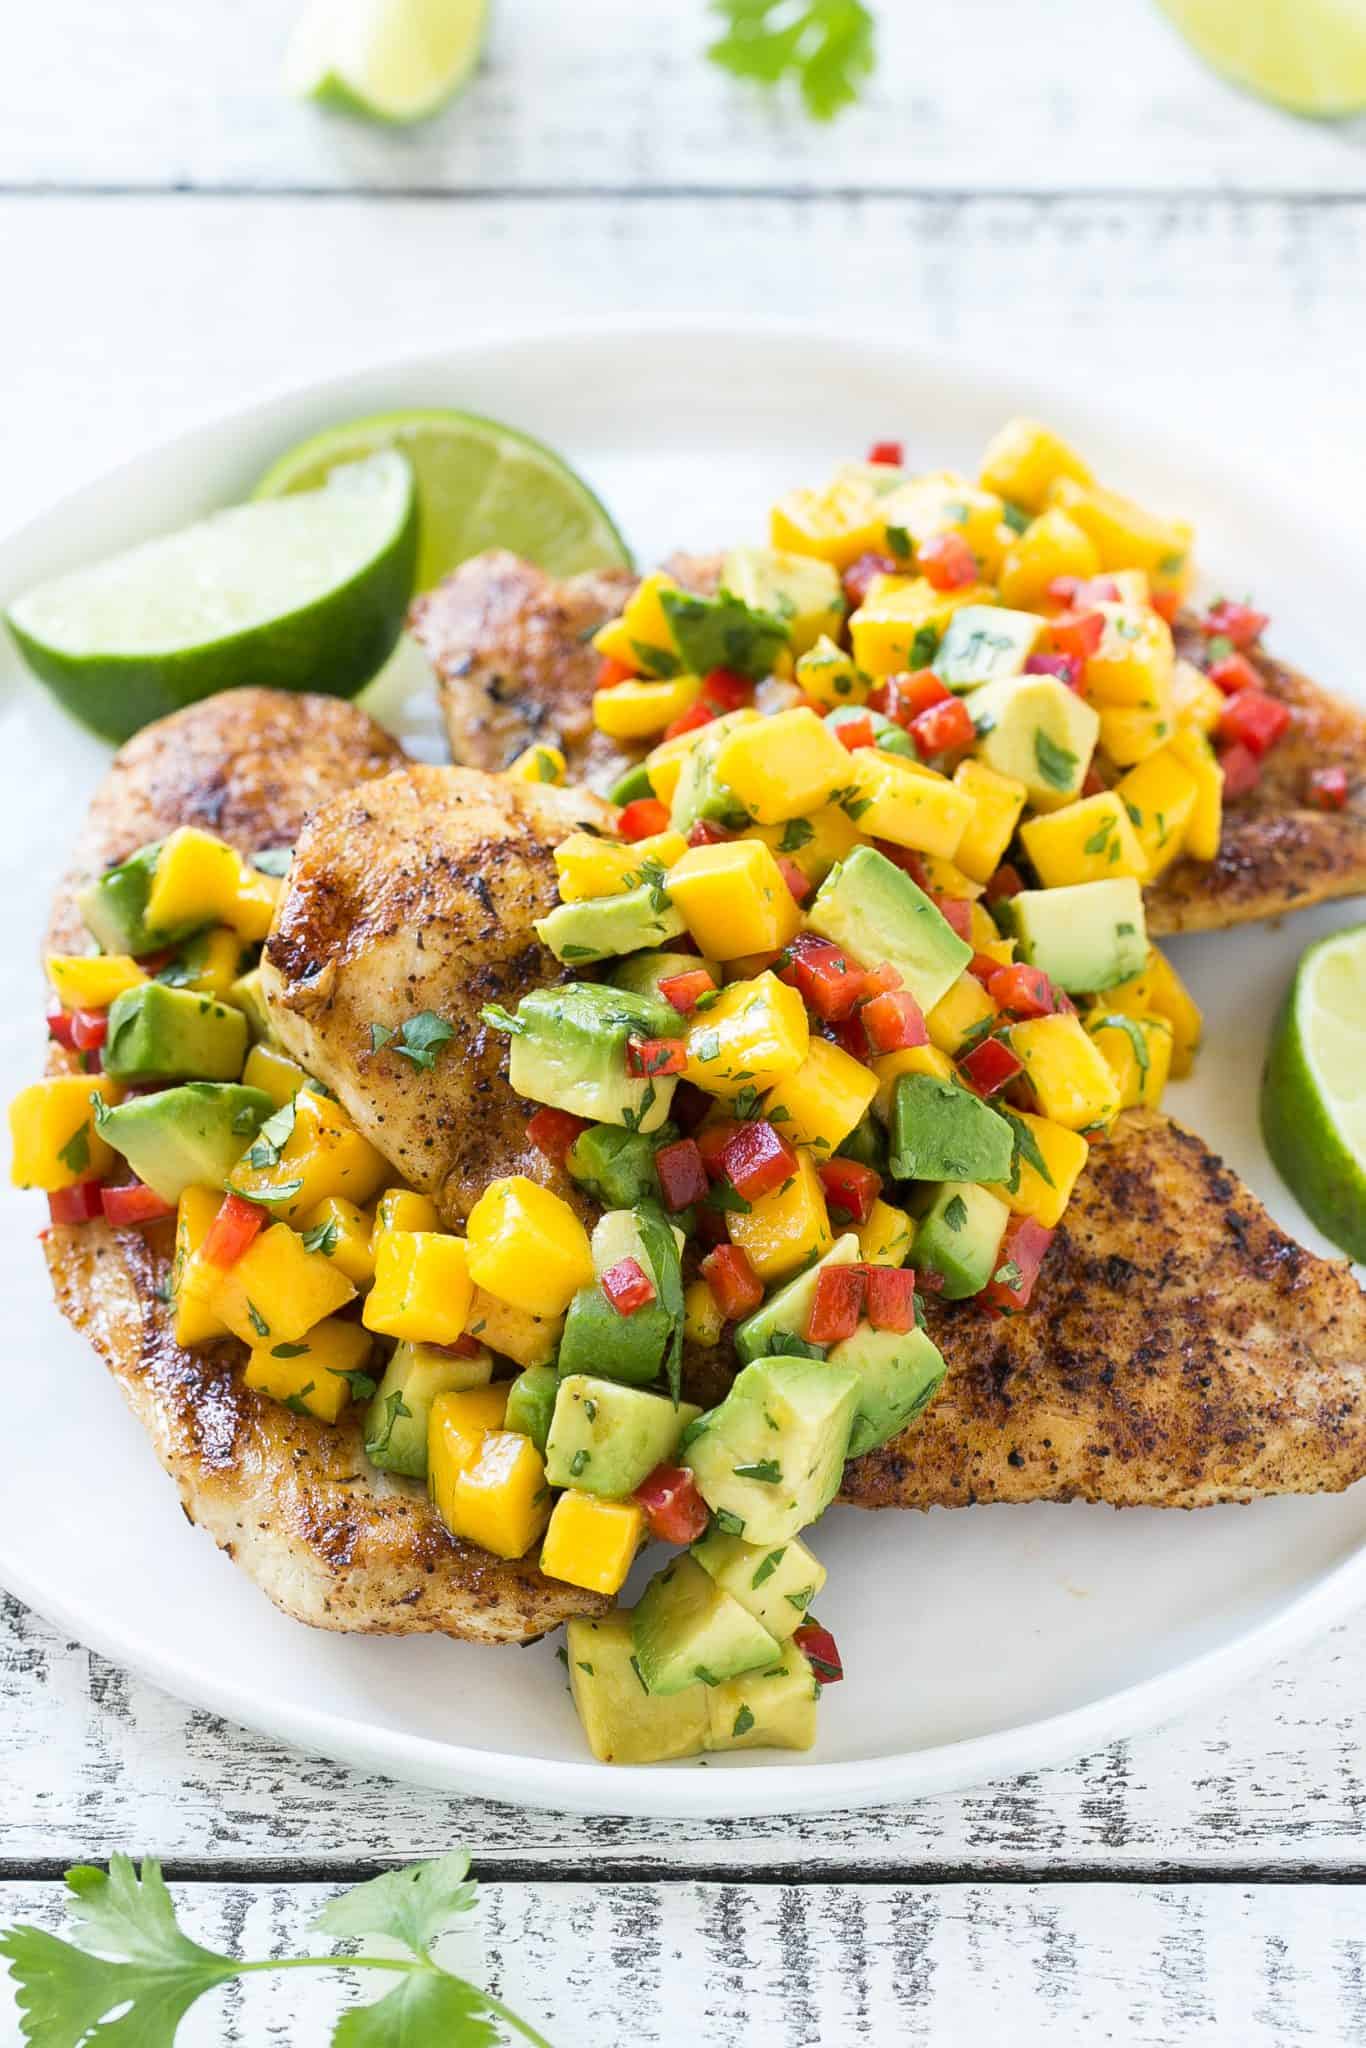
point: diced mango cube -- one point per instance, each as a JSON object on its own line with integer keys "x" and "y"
{"x": 911, "y": 1059}
{"x": 997, "y": 802}
{"x": 885, "y": 1238}
{"x": 422, "y": 1289}
{"x": 1050, "y": 546}
{"x": 210, "y": 965}
{"x": 274, "y": 1073}
{"x": 1160, "y": 796}
{"x": 1205, "y": 825}
{"x": 1069, "y": 1074}
{"x": 1126, "y": 536}
{"x": 703, "y": 1321}
{"x": 814, "y": 843}
{"x": 784, "y": 766}
{"x": 641, "y": 637}
{"x": 821, "y": 1102}
{"x": 54, "y": 1135}
{"x": 537, "y": 763}
{"x": 829, "y": 675}
{"x": 838, "y": 524}
{"x": 589, "y": 866}
{"x": 1159, "y": 991}
{"x": 912, "y": 806}
{"x": 196, "y": 881}
{"x": 1129, "y": 734}
{"x": 253, "y": 907}
{"x": 1084, "y": 842}
{"x": 1138, "y": 1051}
{"x": 1195, "y": 699}
{"x": 754, "y": 1033}
{"x": 90, "y": 981}
{"x": 900, "y": 626}
{"x": 957, "y": 1019}
{"x": 637, "y": 709}
{"x": 527, "y": 1246}
{"x": 500, "y": 1500}
{"x": 733, "y": 898}
{"x": 195, "y": 1322}
{"x": 946, "y": 878}
{"x": 277, "y": 1290}
{"x": 513, "y": 1332}
{"x": 1133, "y": 664}
{"x": 592, "y": 1542}
{"x": 787, "y": 1228}
{"x": 403, "y": 1209}
{"x": 324, "y": 1154}
{"x": 1048, "y": 1163}
{"x": 342, "y": 1233}
{"x": 456, "y": 1427}
{"x": 939, "y": 502}
{"x": 314, "y": 1374}
{"x": 1024, "y": 458}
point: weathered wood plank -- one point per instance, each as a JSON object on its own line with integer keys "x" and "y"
{"x": 793, "y": 1967}
{"x": 619, "y": 97}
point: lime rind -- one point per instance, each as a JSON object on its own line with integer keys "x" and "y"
{"x": 395, "y": 61}
{"x": 1313, "y": 1101}
{"x": 1308, "y": 56}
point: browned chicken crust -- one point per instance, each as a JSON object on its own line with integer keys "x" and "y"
{"x": 293, "y": 1501}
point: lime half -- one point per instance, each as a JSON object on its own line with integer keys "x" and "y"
{"x": 479, "y": 485}
{"x": 307, "y": 594}
{"x": 1307, "y": 55}
{"x": 393, "y": 60}
{"x": 1314, "y": 1088}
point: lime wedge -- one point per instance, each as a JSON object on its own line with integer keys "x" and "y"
{"x": 307, "y": 594}
{"x": 393, "y": 60}
{"x": 1307, "y": 55}
{"x": 479, "y": 485}
{"x": 1314, "y": 1088}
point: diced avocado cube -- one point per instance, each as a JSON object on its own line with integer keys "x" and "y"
{"x": 959, "y": 1237}
{"x": 872, "y": 910}
{"x": 771, "y": 1707}
{"x": 686, "y": 1628}
{"x": 983, "y": 642}
{"x": 1038, "y": 731}
{"x": 158, "y": 1033}
{"x": 899, "y": 1373}
{"x": 597, "y": 1339}
{"x": 246, "y": 996}
{"x": 401, "y": 1407}
{"x": 635, "y": 783}
{"x": 890, "y": 737}
{"x": 600, "y": 927}
{"x": 776, "y": 1584}
{"x": 531, "y": 1403}
{"x": 940, "y": 1131}
{"x": 114, "y": 909}
{"x": 769, "y": 1459}
{"x": 643, "y": 974}
{"x": 723, "y": 632}
{"x": 569, "y": 1050}
{"x": 785, "y": 1313}
{"x": 867, "y": 1143}
{"x": 623, "y": 1722}
{"x": 699, "y": 793}
{"x": 801, "y": 590}
{"x": 616, "y": 1166}
{"x": 185, "y": 1137}
{"x": 619, "y": 1235}
{"x": 1087, "y": 936}
{"x": 605, "y": 1438}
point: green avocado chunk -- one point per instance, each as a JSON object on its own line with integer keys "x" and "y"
{"x": 776, "y": 1584}
{"x": 867, "y": 1143}
{"x": 569, "y": 1050}
{"x": 943, "y": 1132}
{"x": 801, "y": 590}
{"x": 623, "y": 1722}
{"x": 699, "y": 793}
{"x": 1087, "y": 936}
{"x": 245, "y": 995}
{"x": 785, "y": 1313}
{"x": 185, "y": 1137}
{"x": 983, "y": 642}
{"x": 531, "y": 1403}
{"x": 114, "y": 908}
{"x": 616, "y": 1166}
{"x": 605, "y": 1438}
{"x": 772, "y": 1707}
{"x": 396, "y": 1428}
{"x": 601, "y": 927}
{"x": 959, "y": 1236}
{"x": 1036, "y": 730}
{"x": 867, "y": 906}
{"x": 900, "y": 1373}
{"x": 596, "y": 1339}
{"x": 769, "y": 1459}
{"x": 158, "y": 1033}
{"x": 686, "y": 1628}
{"x": 723, "y": 632}
{"x": 633, "y": 784}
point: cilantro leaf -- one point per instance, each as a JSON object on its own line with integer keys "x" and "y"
{"x": 274, "y": 1134}
{"x": 1026, "y": 1148}
{"x": 75, "y": 1153}
{"x": 272, "y": 860}
{"x": 395, "y": 1409}
{"x": 828, "y": 46}
{"x": 1115, "y": 1021}
{"x": 426, "y": 2006}
{"x": 661, "y": 1249}
{"x": 411, "y": 1905}
{"x": 1055, "y": 763}
{"x": 323, "y": 1237}
{"x": 422, "y": 1038}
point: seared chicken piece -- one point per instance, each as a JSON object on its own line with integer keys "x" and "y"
{"x": 418, "y": 893}
{"x": 293, "y": 1501}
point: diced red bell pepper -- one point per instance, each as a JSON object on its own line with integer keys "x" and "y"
{"x": 127, "y": 1208}
{"x": 89, "y": 1029}
{"x": 837, "y": 1304}
{"x": 904, "y": 696}
{"x": 232, "y": 1230}
{"x": 799, "y": 883}
{"x": 1066, "y": 667}
{"x": 1166, "y": 603}
{"x": 956, "y": 912}
{"x": 943, "y": 729}
{"x": 1022, "y": 991}
{"x": 879, "y": 979}
{"x": 1091, "y": 783}
{"x": 819, "y": 1648}
{"x": 628, "y": 1286}
{"x": 1017, "y": 1264}
{"x": 1253, "y": 720}
{"x": 642, "y": 818}
{"x": 682, "y": 1176}
{"x": 907, "y": 859}
{"x": 82, "y": 1202}
{"x": 1236, "y": 622}
{"x": 889, "y": 452}
{"x": 653, "y": 1057}
{"x": 1078, "y": 633}
{"x": 854, "y": 733}
{"x": 864, "y": 570}
{"x": 893, "y": 1021}
{"x": 725, "y": 691}
{"x": 1062, "y": 591}
{"x": 1234, "y": 672}
{"x": 1242, "y": 770}
{"x": 736, "y": 1287}
{"x": 712, "y": 1141}
{"x": 674, "y": 1509}
{"x": 851, "y": 1037}
{"x": 891, "y": 1298}
{"x": 465, "y": 1346}
{"x": 611, "y": 672}
{"x": 1095, "y": 590}
{"x": 946, "y": 562}
{"x": 59, "y": 1025}
{"x": 826, "y": 978}
{"x": 685, "y": 991}
{"x": 553, "y": 1131}
{"x": 705, "y": 832}
{"x": 757, "y": 1159}
{"x": 688, "y": 721}
{"x": 851, "y": 1186}
{"x": 1007, "y": 881}
{"x": 989, "y": 1066}
{"x": 982, "y": 966}
{"x": 1328, "y": 788}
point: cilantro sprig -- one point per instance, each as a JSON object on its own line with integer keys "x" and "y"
{"x": 827, "y": 46}
{"x": 129, "y": 1956}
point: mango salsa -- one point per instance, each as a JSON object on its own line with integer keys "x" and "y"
{"x": 195, "y": 1321}
{"x": 756, "y": 1032}
{"x": 734, "y": 898}
{"x": 54, "y": 1135}
{"x": 196, "y": 881}
{"x": 641, "y": 638}
{"x": 592, "y": 1542}
{"x": 636, "y": 709}
{"x": 277, "y": 1290}
{"x": 1068, "y": 1072}
{"x": 785, "y": 1229}
{"x": 342, "y": 1232}
{"x": 528, "y": 1247}
{"x": 588, "y": 866}
{"x": 1138, "y": 1051}
{"x": 294, "y": 1165}
{"x": 1049, "y": 1159}
{"x": 422, "y": 1289}
{"x": 403, "y": 1209}
{"x": 90, "y": 981}
{"x": 897, "y": 799}
{"x": 783, "y": 766}
{"x": 1024, "y": 459}
{"x": 820, "y": 1103}
{"x": 312, "y": 1374}
{"x": 500, "y": 1500}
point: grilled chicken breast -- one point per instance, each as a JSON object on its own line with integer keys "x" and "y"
{"x": 293, "y": 1501}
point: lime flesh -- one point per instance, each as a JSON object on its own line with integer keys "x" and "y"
{"x": 479, "y": 485}
{"x": 1314, "y": 1089}
{"x": 1307, "y": 55}
{"x": 393, "y": 60}
{"x": 307, "y": 594}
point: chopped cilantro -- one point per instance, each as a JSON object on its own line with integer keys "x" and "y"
{"x": 1056, "y": 764}
{"x": 955, "y": 1212}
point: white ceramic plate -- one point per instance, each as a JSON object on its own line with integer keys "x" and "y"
{"x": 977, "y": 1643}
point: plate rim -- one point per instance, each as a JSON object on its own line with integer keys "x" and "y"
{"x": 738, "y": 1790}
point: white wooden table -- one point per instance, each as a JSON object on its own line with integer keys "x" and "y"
{"x": 1031, "y": 183}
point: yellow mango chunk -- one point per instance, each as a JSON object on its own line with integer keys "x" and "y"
{"x": 838, "y": 524}
{"x": 274, "y": 1073}
{"x": 637, "y": 709}
{"x": 829, "y": 675}
{"x": 324, "y": 1154}
{"x": 814, "y": 843}
{"x": 90, "y": 981}
{"x": 537, "y": 763}
{"x": 997, "y": 802}
{"x": 1129, "y": 734}
{"x": 910, "y": 1059}
{"x": 821, "y": 1102}
{"x": 787, "y": 1228}
{"x": 733, "y": 898}
{"x": 1024, "y": 459}
{"x": 1069, "y": 1074}
{"x": 211, "y": 965}
{"x": 254, "y": 904}
{"x": 513, "y": 1332}
{"x": 912, "y": 806}
{"x": 342, "y": 1233}
{"x": 1158, "y": 991}
{"x": 957, "y": 1017}
{"x": 197, "y": 881}
{"x": 1138, "y": 1052}
{"x": 314, "y": 1375}
{"x": 703, "y": 1321}
{"x": 899, "y": 625}
{"x": 528, "y": 1247}
{"x": 501, "y": 1500}
{"x": 589, "y": 867}
{"x": 1044, "y": 1192}
{"x": 195, "y": 1322}
{"x": 1125, "y": 535}
{"x": 403, "y": 1209}
{"x": 1084, "y": 842}
{"x": 784, "y": 766}
{"x": 458, "y": 1423}
{"x": 885, "y": 1239}
{"x": 756, "y": 1032}
{"x": 1205, "y": 825}
{"x": 940, "y": 502}
{"x": 52, "y": 1132}
{"x": 422, "y": 1289}
{"x": 1160, "y": 796}
{"x": 277, "y": 1290}
{"x": 641, "y": 636}
{"x": 1133, "y": 664}
{"x": 1195, "y": 699}
{"x": 592, "y": 1542}
{"x": 1050, "y": 546}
